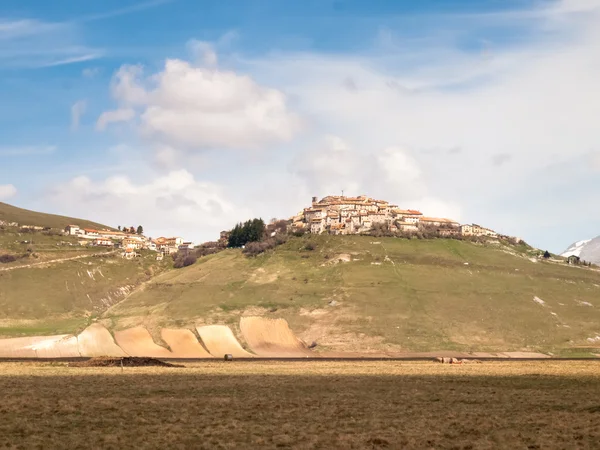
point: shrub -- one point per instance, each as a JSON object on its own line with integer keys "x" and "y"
{"x": 6, "y": 258}
{"x": 52, "y": 232}
{"x": 256, "y": 248}
{"x": 380, "y": 230}
{"x": 310, "y": 246}
{"x": 184, "y": 260}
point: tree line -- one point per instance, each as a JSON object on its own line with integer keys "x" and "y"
{"x": 132, "y": 230}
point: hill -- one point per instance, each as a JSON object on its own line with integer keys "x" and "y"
{"x": 9, "y": 213}
{"x": 65, "y": 294}
{"x": 359, "y": 293}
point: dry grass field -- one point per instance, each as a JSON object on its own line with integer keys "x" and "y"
{"x": 516, "y": 405}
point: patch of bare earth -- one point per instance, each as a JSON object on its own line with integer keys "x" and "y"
{"x": 261, "y": 276}
{"x": 327, "y": 330}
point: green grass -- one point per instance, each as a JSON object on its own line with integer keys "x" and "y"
{"x": 63, "y": 297}
{"x": 11, "y": 213}
{"x": 395, "y": 295}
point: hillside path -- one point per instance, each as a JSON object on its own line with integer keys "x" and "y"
{"x": 52, "y": 261}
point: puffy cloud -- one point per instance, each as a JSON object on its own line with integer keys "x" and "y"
{"x": 197, "y": 107}
{"x": 7, "y": 191}
{"x": 204, "y": 52}
{"x": 330, "y": 168}
{"x": 174, "y": 203}
{"x": 391, "y": 173}
{"x": 118, "y": 115}
{"x": 77, "y": 110}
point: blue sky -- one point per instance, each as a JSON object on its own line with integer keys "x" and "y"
{"x": 187, "y": 116}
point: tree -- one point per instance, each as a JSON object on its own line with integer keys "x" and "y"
{"x": 547, "y": 254}
{"x": 250, "y": 231}
{"x": 119, "y": 227}
{"x": 132, "y": 230}
{"x": 140, "y": 229}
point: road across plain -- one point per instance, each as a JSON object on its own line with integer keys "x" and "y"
{"x": 308, "y": 359}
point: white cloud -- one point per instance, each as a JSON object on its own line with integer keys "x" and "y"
{"x": 390, "y": 173}
{"x": 174, "y": 203}
{"x": 195, "y": 108}
{"x": 204, "y": 52}
{"x": 118, "y": 115}
{"x": 7, "y": 191}
{"x": 77, "y": 110}
{"x": 33, "y": 43}
{"x": 27, "y": 150}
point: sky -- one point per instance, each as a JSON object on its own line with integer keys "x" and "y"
{"x": 187, "y": 116}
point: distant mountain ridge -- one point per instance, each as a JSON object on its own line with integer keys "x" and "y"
{"x": 587, "y": 250}
{"x": 9, "y": 213}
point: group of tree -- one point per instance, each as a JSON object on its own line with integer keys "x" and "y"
{"x": 132, "y": 230}
{"x": 253, "y": 230}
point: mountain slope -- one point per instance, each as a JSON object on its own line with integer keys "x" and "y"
{"x": 356, "y": 293}
{"x": 587, "y": 250}
{"x": 64, "y": 296}
{"x": 9, "y": 213}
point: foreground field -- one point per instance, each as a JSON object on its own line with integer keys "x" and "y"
{"x": 302, "y": 405}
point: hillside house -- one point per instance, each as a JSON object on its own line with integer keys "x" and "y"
{"x": 133, "y": 243}
{"x": 477, "y": 230}
{"x": 73, "y": 230}
{"x": 91, "y": 233}
{"x": 118, "y": 235}
{"x": 438, "y": 222}
{"x": 103, "y": 242}
{"x": 130, "y": 253}
{"x": 168, "y": 246}
{"x": 174, "y": 241}
{"x": 186, "y": 246}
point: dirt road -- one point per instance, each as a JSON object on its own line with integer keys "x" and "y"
{"x": 52, "y": 261}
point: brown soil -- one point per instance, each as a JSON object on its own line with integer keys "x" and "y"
{"x": 272, "y": 337}
{"x": 137, "y": 341}
{"x": 219, "y": 340}
{"x": 122, "y": 362}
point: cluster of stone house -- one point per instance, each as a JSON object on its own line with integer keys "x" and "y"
{"x": 127, "y": 241}
{"x": 353, "y": 215}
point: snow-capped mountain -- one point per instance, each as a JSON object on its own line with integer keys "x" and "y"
{"x": 588, "y": 250}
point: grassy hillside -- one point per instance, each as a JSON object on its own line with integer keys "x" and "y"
{"x": 392, "y": 294}
{"x": 63, "y": 297}
{"x": 11, "y": 213}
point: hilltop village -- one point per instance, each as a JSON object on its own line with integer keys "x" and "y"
{"x": 354, "y": 215}
{"x": 337, "y": 215}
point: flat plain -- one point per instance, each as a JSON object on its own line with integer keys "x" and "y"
{"x": 284, "y": 404}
